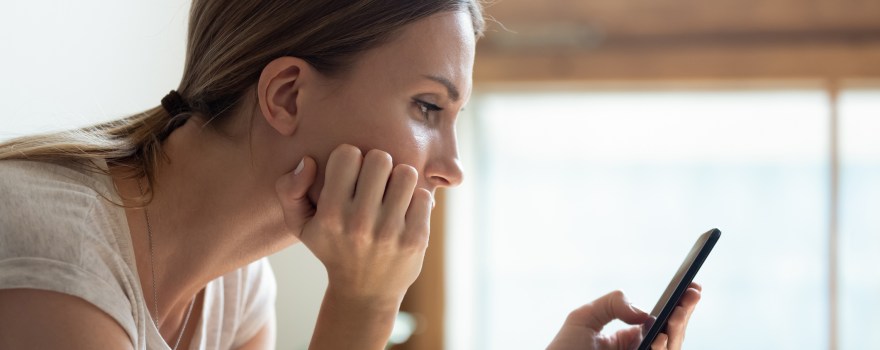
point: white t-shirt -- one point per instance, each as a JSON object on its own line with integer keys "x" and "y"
{"x": 58, "y": 234}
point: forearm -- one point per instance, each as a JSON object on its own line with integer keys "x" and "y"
{"x": 346, "y": 322}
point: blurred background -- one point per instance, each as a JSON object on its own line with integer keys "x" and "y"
{"x": 602, "y": 138}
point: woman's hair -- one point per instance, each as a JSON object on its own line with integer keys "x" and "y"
{"x": 228, "y": 44}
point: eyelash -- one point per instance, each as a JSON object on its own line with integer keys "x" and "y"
{"x": 426, "y": 108}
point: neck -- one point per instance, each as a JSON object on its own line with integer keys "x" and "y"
{"x": 211, "y": 213}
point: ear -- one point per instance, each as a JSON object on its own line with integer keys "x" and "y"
{"x": 278, "y": 92}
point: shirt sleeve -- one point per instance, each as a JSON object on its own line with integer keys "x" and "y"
{"x": 49, "y": 249}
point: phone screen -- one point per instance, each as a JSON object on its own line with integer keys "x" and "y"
{"x": 676, "y": 288}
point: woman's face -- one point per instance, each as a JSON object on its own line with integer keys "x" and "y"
{"x": 402, "y": 98}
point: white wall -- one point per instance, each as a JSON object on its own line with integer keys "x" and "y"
{"x": 72, "y": 63}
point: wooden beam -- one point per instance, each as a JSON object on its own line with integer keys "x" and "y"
{"x": 681, "y": 62}
{"x": 670, "y": 17}
{"x": 426, "y": 298}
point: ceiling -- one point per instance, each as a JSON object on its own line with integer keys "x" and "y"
{"x": 600, "y": 23}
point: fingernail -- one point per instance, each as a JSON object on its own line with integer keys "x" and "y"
{"x": 299, "y": 168}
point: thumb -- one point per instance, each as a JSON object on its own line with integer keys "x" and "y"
{"x": 612, "y": 306}
{"x": 293, "y": 189}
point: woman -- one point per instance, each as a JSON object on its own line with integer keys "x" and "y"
{"x": 327, "y": 123}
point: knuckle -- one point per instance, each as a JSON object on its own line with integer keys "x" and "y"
{"x": 420, "y": 243}
{"x": 577, "y": 316}
{"x": 359, "y": 225}
{"x": 417, "y": 239}
{"x": 329, "y": 223}
{"x": 384, "y": 236}
{"x": 390, "y": 226}
{"x": 360, "y": 240}
{"x": 387, "y": 230}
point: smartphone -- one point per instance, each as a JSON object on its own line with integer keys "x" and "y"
{"x": 676, "y": 288}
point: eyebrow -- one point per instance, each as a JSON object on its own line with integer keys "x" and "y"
{"x": 450, "y": 88}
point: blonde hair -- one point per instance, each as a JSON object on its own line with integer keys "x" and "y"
{"x": 228, "y": 44}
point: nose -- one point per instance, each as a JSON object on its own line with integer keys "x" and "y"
{"x": 443, "y": 168}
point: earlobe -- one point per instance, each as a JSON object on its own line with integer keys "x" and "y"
{"x": 278, "y": 92}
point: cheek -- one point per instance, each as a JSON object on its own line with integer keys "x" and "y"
{"x": 406, "y": 142}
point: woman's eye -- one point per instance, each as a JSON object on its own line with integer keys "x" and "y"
{"x": 426, "y": 108}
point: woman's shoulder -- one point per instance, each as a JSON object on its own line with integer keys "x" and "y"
{"x": 55, "y": 211}
{"x": 21, "y": 176}
{"x": 41, "y": 197}
{"x": 58, "y": 234}
{"x": 56, "y": 200}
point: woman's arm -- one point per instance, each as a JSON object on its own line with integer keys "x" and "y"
{"x": 38, "y": 319}
{"x": 347, "y": 323}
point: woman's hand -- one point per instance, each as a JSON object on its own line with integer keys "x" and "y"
{"x": 370, "y": 228}
{"x": 582, "y": 328}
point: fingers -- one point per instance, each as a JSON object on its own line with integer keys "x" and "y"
{"x": 400, "y": 190}
{"x": 676, "y": 327}
{"x": 661, "y": 342}
{"x": 372, "y": 180}
{"x": 371, "y": 225}
{"x": 596, "y": 315}
{"x": 341, "y": 175}
{"x": 628, "y": 338}
{"x": 418, "y": 218}
{"x": 295, "y": 184}
{"x": 375, "y": 197}
{"x": 689, "y": 301}
{"x": 600, "y": 312}
{"x": 292, "y": 189}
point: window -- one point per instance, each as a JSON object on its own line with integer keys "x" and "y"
{"x": 573, "y": 194}
{"x": 860, "y": 219}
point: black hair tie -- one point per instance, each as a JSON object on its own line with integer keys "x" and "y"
{"x": 174, "y": 104}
